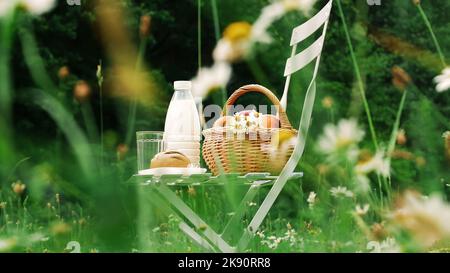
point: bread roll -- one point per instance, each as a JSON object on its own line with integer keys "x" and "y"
{"x": 170, "y": 159}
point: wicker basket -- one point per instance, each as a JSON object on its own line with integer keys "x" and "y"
{"x": 225, "y": 153}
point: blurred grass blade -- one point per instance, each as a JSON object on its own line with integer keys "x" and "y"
{"x": 6, "y": 150}
{"x": 6, "y": 33}
{"x": 433, "y": 36}
{"x": 358, "y": 77}
{"x": 70, "y": 128}
{"x": 395, "y": 129}
{"x": 34, "y": 61}
{"x": 134, "y": 101}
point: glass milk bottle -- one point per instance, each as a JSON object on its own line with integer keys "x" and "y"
{"x": 182, "y": 128}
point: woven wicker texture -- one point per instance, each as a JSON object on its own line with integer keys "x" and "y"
{"x": 225, "y": 152}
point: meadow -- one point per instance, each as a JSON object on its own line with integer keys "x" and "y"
{"x": 78, "y": 81}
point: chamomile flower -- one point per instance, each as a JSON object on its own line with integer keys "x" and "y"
{"x": 260, "y": 234}
{"x": 377, "y": 163}
{"x": 7, "y": 6}
{"x": 342, "y": 137}
{"x": 290, "y": 236}
{"x": 362, "y": 210}
{"x": 38, "y": 7}
{"x": 34, "y": 7}
{"x": 427, "y": 219}
{"x": 274, "y": 12}
{"x": 208, "y": 79}
{"x": 235, "y": 43}
{"x": 269, "y": 14}
{"x": 443, "y": 80}
{"x": 387, "y": 246}
{"x": 311, "y": 199}
{"x": 341, "y": 192}
{"x": 300, "y": 5}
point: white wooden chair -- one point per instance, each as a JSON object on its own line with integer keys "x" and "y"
{"x": 158, "y": 189}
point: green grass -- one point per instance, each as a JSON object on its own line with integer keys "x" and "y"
{"x": 72, "y": 182}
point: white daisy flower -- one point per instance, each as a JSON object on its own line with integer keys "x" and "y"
{"x": 290, "y": 236}
{"x": 269, "y": 14}
{"x": 208, "y": 79}
{"x": 362, "y": 210}
{"x": 341, "y": 137}
{"x": 271, "y": 242}
{"x": 235, "y": 43}
{"x": 246, "y": 121}
{"x": 38, "y": 7}
{"x": 311, "y": 199}
{"x": 227, "y": 51}
{"x": 34, "y": 7}
{"x": 341, "y": 192}
{"x": 274, "y": 12}
{"x": 443, "y": 80}
{"x": 378, "y": 163}
{"x": 387, "y": 246}
{"x": 260, "y": 234}
{"x": 301, "y": 5}
{"x": 427, "y": 219}
{"x": 7, "y": 6}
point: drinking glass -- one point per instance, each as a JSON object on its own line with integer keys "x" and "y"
{"x": 149, "y": 143}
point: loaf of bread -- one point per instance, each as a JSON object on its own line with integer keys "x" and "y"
{"x": 170, "y": 159}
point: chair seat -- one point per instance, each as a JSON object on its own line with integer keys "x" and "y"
{"x": 207, "y": 179}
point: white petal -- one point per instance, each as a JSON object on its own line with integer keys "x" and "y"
{"x": 38, "y": 7}
{"x": 443, "y": 86}
{"x": 7, "y": 6}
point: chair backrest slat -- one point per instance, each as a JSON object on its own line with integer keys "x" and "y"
{"x": 298, "y": 61}
{"x": 305, "y": 30}
{"x": 303, "y": 58}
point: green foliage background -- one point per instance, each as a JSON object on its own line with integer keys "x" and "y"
{"x": 68, "y": 36}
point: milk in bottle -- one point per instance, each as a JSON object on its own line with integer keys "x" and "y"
{"x": 182, "y": 128}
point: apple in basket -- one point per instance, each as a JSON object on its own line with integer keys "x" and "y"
{"x": 270, "y": 121}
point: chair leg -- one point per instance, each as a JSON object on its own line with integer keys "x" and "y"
{"x": 196, "y": 237}
{"x": 165, "y": 207}
{"x": 190, "y": 215}
{"x": 235, "y": 221}
{"x": 287, "y": 170}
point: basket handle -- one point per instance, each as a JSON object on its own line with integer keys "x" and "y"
{"x": 284, "y": 121}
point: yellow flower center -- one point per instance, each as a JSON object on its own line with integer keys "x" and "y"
{"x": 237, "y": 31}
{"x": 343, "y": 142}
{"x": 290, "y": 4}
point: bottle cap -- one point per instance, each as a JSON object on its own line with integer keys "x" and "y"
{"x": 183, "y": 85}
